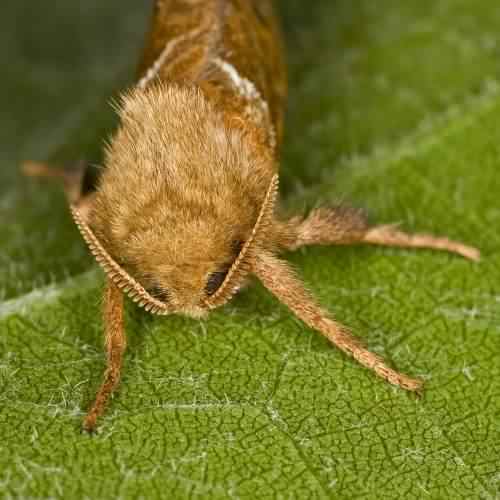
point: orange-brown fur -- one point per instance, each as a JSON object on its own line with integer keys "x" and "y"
{"x": 178, "y": 190}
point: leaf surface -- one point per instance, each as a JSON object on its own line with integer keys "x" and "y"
{"x": 394, "y": 107}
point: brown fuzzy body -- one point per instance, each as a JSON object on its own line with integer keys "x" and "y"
{"x": 187, "y": 172}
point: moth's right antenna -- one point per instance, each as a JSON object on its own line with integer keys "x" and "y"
{"x": 243, "y": 263}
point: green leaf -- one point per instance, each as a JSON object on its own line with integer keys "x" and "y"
{"x": 394, "y": 106}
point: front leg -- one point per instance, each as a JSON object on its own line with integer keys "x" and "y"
{"x": 116, "y": 342}
{"x": 347, "y": 226}
{"x": 76, "y": 181}
{"x": 281, "y": 280}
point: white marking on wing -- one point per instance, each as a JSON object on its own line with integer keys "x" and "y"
{"x": 153, "y": 71}
{"x": 247, "y": 90}
{"x": 245, "y": 86}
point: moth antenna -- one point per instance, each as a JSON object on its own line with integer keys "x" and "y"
{"x": 242, "y": 265}
{"x": 114, "y": 271}
{"x": 279, "y": 279}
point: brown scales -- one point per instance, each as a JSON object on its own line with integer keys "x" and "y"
{"x": 184, "y": 209}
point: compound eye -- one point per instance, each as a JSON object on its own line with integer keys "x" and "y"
{"x": 215, "y": 280}
{"x": 159, "y": 293}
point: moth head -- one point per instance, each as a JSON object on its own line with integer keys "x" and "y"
{"x": 183, "y": 205}
{"x": 219, "y": 285}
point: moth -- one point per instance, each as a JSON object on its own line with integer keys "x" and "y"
{"x": 183, "y": 211}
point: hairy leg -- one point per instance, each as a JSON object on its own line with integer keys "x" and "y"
{"x": 115, "y": 342}
{"x": 72, "y": 178}
{"x": 279, "y": 279}
{"x": 345, "y": 226}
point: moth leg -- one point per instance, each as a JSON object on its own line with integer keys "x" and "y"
{"x": 115, "y": 342}
{"x": 345, "y": 226}
{"x": 70, "y": 176}
{"x": 279, "y": 279}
